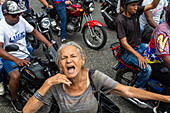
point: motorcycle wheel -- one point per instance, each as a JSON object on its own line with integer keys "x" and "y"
{"x": 126, "y": 76}
{"x": 113, "y": 15}
{"x": 98, "y": 41}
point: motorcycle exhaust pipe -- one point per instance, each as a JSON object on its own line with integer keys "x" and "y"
{"x": 105, "y": 14}
{"x": 139, "y": 103}
{"x": 116, "y": 66}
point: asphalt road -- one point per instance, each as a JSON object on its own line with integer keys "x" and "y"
{"x": 102, "y": 60}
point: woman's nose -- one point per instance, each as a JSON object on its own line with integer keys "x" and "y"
{"x": 68, "y": 60}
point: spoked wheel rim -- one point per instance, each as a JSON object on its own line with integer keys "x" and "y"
{"x": 98, "y": 39}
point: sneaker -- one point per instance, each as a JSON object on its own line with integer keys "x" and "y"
{"x": 18, "y": 105}
{"x": 156, "y": 110}
{"x": 63, "y": 40}
{"x": 1, "y": 88}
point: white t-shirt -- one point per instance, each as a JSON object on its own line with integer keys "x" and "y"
{"x": 15, "y": 35}
{"x": 155, "y": 12}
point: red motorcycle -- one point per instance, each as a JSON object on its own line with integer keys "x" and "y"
{"x": 93, "y": 33}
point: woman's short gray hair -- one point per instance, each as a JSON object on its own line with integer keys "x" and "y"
{"x": 80, "y": 50}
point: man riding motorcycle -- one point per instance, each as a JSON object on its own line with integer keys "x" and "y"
{"x": 13, "y": 30}
{"x": 60, "y": 6}
{"x": 158, "y": 55}
{"x": 128, "y": 32}
{"x": 150, "y": 19}
{"x": 1, "y": 63}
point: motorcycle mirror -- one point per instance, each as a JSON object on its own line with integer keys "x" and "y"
{"x": 11, "y": 47}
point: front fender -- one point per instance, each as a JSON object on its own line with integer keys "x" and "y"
{"x": 92, "y": 23}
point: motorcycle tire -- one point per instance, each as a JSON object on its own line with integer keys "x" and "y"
{"x": 113, "y": 14}
{"x": 93, "y": 42}
{"x": 126, "y": 76}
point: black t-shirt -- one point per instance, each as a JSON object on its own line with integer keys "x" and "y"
{"x": 129, "y": 28}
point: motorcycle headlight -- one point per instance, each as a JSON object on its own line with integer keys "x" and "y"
{"x": 45, "y": 23}
{"x": 91, "y": 7}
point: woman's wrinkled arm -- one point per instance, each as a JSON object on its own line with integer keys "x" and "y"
{"x": 33, "y": 105}
{"x": 132, "y": 92}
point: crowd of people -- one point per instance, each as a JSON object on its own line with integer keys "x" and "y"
{"x": 71, "y": 87}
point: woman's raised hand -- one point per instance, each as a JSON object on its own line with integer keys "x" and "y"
{"x": 59, "y": 78}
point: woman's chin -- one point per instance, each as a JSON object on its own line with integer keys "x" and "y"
{"x": 71, "y": 75}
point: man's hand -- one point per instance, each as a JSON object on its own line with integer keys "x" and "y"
{"x": 51, "y": 6}
{"x": 68, "y": 2}
{"x": 52, "y": 51}
{"x": 30, "y": 7}
{"x": 142, "y": 62}
{"x": 21, "y": 62}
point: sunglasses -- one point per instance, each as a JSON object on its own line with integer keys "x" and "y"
{"x": 15, "y": 15}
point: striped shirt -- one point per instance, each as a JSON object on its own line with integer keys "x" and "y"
{"x": 84, "y": 103}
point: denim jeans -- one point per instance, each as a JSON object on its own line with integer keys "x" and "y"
{"x": 29, "y": 47}
{"x": 1, "y": 69}
{"x": 130, "y": 58}
{"x": 61, "y": 10}
{"x": 142, "y": 27}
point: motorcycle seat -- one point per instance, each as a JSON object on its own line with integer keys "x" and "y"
{"x": 115, "y": 47}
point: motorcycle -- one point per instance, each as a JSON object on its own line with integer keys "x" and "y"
{"x": 32, "y": 77}
{"x": 41, "y": 22}
{"x": 93, "y": 33}
{"x": 128, "y": 74}
{"x": 108, "y": 11}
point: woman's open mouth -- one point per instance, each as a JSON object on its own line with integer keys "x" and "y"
{"x": 70, "y": 69}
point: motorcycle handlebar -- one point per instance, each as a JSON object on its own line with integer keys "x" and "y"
{"x": 15, "y": 66}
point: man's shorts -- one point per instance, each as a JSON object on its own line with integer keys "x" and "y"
{"x": 9, "y": 64}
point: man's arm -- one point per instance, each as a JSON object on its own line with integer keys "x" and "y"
{"x": 132, "y": 92}
{"x": 166, "y": 60}
{"x": 40, "y": 37}
{"x": 152, "y": 5}
{"x": 5, "y": 55}
{"x": 149, "y": 18}
{"x": 141, "y": 60}
{"x": 44, "y": 2}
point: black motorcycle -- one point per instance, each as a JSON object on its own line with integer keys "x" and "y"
{"x": 128, "y": 74}
{"x": 32, "y": 77}
{"x": 41, "y": 22}
{"x": 108, "y": 11}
